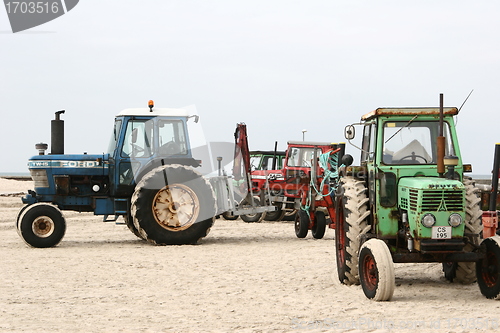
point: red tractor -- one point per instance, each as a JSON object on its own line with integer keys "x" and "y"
{"x": 290, "y": 188}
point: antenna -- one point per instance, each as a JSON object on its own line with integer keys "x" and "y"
{"x": 465, "y": 100}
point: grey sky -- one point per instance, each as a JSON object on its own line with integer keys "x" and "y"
{"x": 278, "y": 66}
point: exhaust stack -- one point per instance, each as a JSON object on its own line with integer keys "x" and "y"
{"x": 440, "y": 139}
{"x": 57, "y": 135}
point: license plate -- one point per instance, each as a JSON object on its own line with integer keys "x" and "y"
{"x": 441, "y": 232}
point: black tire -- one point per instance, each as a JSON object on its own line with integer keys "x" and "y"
{"x": 302, "y": 224}
{"x": 376, "y": 270}
{"x": 252, "y": 218}
{"x": 18, "y": 219}
{"x": 319, "y": 227}
{"x": 173, "y": 205}
{"x": 465, "y": 272}
{"x": 129, "y": 222}
{"x": 277, "y": 215}
{"x": 488, "y": 268}
{"x": 230, "y": 217}
{"x": 352, "y": 218}
{"x": 41, "y": 225}
{"x": 450, "y": 270}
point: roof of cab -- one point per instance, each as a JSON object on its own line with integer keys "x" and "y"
{"x": 155, "y": 112}
{"x": 408, "y": 111}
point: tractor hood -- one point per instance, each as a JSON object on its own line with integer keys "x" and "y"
{"x": 430, "y": 183}
{"x": 43, "y": 168}
{"x": 434, "y": 198}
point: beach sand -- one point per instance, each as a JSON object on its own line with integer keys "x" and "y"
{"x": 244, "y": 277}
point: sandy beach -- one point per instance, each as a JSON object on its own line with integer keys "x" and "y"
{"x": 243, "y": 277}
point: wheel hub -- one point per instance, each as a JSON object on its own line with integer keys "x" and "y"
{"x": 43, "y": 226}
{"x": 370, "y": 272}
{"x": 176, "y": 207}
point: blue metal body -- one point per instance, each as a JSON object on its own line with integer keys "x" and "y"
{"x": 103, "y": 183}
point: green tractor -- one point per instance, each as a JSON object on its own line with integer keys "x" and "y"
{"x": 409, "y": 201}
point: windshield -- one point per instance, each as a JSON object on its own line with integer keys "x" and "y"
{"x": 301, "y": 157}
{"x": 413, "y": 142}
{"x": 172, "y": 138}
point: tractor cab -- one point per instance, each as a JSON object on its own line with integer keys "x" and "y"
{"x": 143, "y": 139}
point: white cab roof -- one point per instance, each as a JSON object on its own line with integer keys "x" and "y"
{"x": 155, "y": 112}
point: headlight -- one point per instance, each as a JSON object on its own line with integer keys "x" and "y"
{"x": 455, "y": 220}
{"x": 428, "y": 220}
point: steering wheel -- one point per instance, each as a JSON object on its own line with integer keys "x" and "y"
{"x": 170, "y": 148}
{"x": 413, "y": 157}
{"x": 137, "y": 148}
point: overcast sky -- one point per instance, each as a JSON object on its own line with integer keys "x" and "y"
{"x": 278, "y": 66}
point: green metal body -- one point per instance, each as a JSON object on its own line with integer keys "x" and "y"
{"x": 409, "y": 183}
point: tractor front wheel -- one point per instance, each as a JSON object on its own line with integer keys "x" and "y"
{"x": 41, "y": 225}
{"x": 301, "y": 224}
{"x": 488, "y": 268}
{"x": 319, "y": 227}
{"x": 376, "y": 270}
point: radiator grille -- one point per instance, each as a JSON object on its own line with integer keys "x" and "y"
{"x": 437, "y": 200}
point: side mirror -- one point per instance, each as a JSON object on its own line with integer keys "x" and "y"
{"x": 349, "y": 132}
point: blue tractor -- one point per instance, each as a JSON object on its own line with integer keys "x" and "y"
{"x": 147, "y": 176}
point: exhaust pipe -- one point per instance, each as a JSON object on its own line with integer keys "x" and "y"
{"x": 440, "y": 139}
{"x": 57, "y": 135}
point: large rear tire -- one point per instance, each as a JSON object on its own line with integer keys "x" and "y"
{"x": 41, "y": 225}
{"x": 465, "y": 272}
{"x": 129, "y": 222}
{"x": 376, "y": 270}
{"x": 488, "y": 268}
{"x": 351, "y": 220}
{"x": 173, "y": 205}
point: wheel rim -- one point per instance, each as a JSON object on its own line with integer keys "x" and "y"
{"x": 176, "y": 207}
{"x": 370, "y": 274}
{"x": 490, "y": 272}
{"x": 43, "y": 226}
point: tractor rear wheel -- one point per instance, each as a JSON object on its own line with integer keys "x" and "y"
{"x": 352, "y": 218}
{"x": 488, "y": 268}
{"x": 129, "y": 222}
{"x": 376, "y": 270}
{"x": 173, "y": 204}
{"x": 41, "y": 225}
{"x": 319, "y": 227}
{"x": 301, "y": 224}
{"x": 465, "y": 272}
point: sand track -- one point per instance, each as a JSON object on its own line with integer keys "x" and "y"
{"x": 242, "y": 277}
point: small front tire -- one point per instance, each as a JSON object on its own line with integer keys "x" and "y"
{"x": 41, "y": 225}
{"x": 319, "y": 227}
{"x": 301, "y": 224}
{"x": 376, "y": 270}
